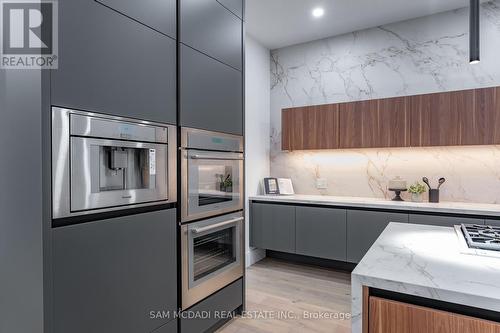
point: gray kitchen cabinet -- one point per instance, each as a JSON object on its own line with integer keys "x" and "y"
{"x": 492, "y": 222}
{"x": 211, "y": 95}
{"x": 157, "y": 14}
{"x": 170, "y": 327}
{"x": 112, "y": 64}
{"x": 215, "y": 306}
{"x": 321, "y": 232}
{"x": 212, "y": 29}
{"x": 363, "y": 229}
{"x": 235, "y": 6}
{"x": 273, "y": 227}
{"x": 444, "y": 221}
{"x": 110, "y": 274}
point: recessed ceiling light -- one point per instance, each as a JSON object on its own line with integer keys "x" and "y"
{"x": 318, "y": 12}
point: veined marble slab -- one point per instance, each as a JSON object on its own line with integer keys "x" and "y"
{"x": 426, "y": 261}
{"x": 492, "y": 210}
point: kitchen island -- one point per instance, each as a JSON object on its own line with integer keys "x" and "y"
{"x": 423, "y": 270}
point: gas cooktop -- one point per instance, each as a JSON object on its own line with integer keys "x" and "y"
{"x": 482, "y": 236}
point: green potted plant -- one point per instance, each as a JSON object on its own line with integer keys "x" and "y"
{"x": 416, "y": 191}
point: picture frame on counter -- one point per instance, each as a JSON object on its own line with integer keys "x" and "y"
{"x": 271, "y": 186}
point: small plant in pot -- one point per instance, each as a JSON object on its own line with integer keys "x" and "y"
{"x": 416, "y": 191}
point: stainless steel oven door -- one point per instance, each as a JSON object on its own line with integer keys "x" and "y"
{"x": 212, "y": 256}
{"x": 112, "y": 173}
{"x": 211, "y": 183}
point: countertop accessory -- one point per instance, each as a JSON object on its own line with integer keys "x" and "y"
{"x": 434, "y": 195}
{"x": 416, "y": 191}
{"x": 285, "y": 186}
{"x": 397, "y": 185}
{"x": 271, "y": 186}
{"x": 398, "y": 193}
{"x": 426, "y": 181}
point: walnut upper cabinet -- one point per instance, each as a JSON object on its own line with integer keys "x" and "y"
{"x": 310, "y": 127}
{"x": 375, "y": 124}
{"x": 469, "y": 117}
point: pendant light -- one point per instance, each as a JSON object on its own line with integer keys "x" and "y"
{"x": 474, "y": 33}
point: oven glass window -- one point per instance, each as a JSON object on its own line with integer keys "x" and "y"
{"x": 213, "y": 252}
{"x": 215, "y": 183}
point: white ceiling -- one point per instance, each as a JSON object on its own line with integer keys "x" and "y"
{"x": 279, "y": 23}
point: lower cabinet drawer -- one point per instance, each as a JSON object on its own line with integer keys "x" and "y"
{"x": 204, "y": 315}
{"x": 443, "y": 221}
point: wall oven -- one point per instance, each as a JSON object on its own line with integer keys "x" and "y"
{"x": 212, "y": 174}
{"x": 102, "y": 163}
{"x": 212, "y": 256}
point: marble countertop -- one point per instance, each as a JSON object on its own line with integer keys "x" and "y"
{"x": 442, "y": 207}
{"x": 426, "y": 261}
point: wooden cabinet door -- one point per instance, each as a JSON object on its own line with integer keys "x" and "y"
{"x": 321, "y": 232}
{"x": 375, "y": 124}
{"x": 273, "y": 227}
{"x": 387, "y": 316}
{"x": 469, "y": 117}
{"x": 311, "y": 127}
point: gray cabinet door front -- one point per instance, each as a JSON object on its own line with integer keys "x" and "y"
{"x": 492, "y": 222}
{"x": 273, "y": 227}
{"x": 110, "y": 274}
{"x": 235, "y": 6}
{"x": 210, "y": 93}
{"x": 158, "y": 14}
{"x": 211, "y": 28}
{"x": 111, "y": 64}
{"x": 443, "y": 221}
{"x": 321, "y": 232}
{"x": 363, "y": 229}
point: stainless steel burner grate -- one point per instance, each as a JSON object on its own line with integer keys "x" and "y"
{"x": 482, "y": 236}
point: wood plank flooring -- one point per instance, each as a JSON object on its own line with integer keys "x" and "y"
{"x": 290, "y": 292}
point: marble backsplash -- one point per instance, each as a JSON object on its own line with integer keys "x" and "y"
{"x": 419, "y": 56}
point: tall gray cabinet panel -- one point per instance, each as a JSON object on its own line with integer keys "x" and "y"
{"x": 111, "y": 64}
{"x": 158, "y": 14}
{"x": 210, "y": 93}
{"x": 109, "y": 274}
{"x": 444, "y": 221}
{"x": 235, "y": 6}
{"x": 321, "y": 232}
{"x": 273, "y": 227}
{"x": 363, "y": 229}
{"x": 211, "y": 28}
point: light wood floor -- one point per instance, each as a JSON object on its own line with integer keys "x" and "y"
{"x": 274, "y": 286}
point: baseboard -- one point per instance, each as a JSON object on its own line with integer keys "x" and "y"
{"x": 254, "y": 255}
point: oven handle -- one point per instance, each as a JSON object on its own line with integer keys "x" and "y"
{"x": 208, "y": 157}
{"x": 215, "y": 226}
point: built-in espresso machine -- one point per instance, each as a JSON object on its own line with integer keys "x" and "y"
{"x": 102, "y": 163}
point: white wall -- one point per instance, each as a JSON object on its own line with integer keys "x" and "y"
{"x": 257, "y": 127}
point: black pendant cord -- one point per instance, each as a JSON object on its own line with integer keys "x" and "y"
{"x": 474, "y": 33}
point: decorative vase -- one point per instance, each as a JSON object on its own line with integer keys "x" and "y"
{"x": 416, "y": 197}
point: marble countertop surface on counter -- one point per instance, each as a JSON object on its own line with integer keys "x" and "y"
{"x": 426, "y": 261}
{"x": 442, "y": 207}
